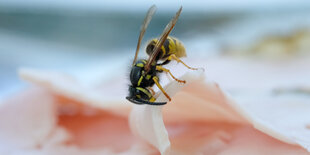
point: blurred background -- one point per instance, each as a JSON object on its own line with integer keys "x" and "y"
{"x": 75, "y": 35}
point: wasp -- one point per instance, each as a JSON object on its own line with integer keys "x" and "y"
{"x": 143, "y": 75}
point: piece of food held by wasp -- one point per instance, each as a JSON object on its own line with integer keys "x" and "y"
{"x": 143, "y": 73}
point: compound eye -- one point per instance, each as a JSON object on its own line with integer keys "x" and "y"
{"x": 149, "y": 49}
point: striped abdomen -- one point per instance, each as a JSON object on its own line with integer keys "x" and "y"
{"x": 171, "y": 46}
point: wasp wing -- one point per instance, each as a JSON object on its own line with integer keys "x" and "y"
{"x": 146, "y": 22}
{"x": 162, "y": 39}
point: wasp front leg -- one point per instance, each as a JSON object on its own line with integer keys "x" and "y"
{"x": 155, "y": 78}
{"x": 172, "y": 56}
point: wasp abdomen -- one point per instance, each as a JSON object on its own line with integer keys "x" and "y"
{"x": 170, "y": 46}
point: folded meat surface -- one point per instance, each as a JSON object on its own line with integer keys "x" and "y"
{"x": 62, "y": 116}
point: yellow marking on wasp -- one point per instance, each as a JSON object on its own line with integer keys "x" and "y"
{"x": 172, "y": 56}
{"x": 148, "y": 77}
{"x": 160, "y": 68}
{"x": 160, "y": 87}
{"x": 152, "y": 99}
{"x": 163, "y": 50}
{"x": 144, "y": 61}
{"x": 172, "y": 46}
{"x": 139, "y": 96}
{"x": 140, "y": 65}
{"x": 145, "y": 91}
{"x": 140, "y": 80}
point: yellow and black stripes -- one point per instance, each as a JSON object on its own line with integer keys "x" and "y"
{"x": 140, "y": 83}
{"x": 146, "y": 92}
{"x": 140, "y": 64}
{"x": 170, "y": 46}
{"x": 143, "y": 75}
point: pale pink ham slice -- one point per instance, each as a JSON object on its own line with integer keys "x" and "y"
{"x": 200, "y": 119}
{"x": 26, "y": 120}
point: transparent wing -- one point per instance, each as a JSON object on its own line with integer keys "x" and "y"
{"x": 146, "y": 22}
{"x": 162, "y": 39}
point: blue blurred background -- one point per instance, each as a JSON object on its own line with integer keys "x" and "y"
{"x": 74, "y": 34}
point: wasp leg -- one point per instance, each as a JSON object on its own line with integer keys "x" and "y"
{"x": 155, "y": 78}
{"x": 152, "y": 90}
{"x": 160, "y": 68}
{"x": 172, "y": 56}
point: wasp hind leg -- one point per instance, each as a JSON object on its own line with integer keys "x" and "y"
{"x": 155, "y": 78}
{"x": 160, "y": 68}
{"x": 172, "y": 56}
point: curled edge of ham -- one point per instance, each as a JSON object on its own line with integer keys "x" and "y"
{"x": 235, "y": 112}
{"x": 147, "y": 119}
